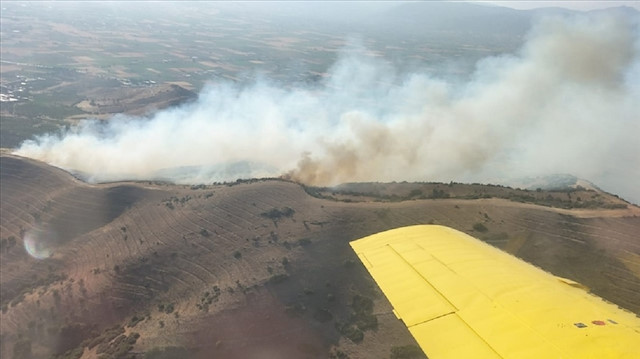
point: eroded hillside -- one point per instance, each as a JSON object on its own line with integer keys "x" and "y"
{"x": 255, "y": 267}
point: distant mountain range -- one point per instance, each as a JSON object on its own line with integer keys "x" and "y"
{"x": 414, "y": 17}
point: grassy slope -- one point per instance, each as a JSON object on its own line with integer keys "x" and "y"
{"x": 255, "y": 267}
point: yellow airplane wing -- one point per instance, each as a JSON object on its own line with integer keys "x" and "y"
{"x": 462, "y": 298}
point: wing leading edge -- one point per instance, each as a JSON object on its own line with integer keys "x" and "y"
{"x": 462, "y": 298}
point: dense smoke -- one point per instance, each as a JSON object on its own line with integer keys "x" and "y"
{"x": 568, "y": 102}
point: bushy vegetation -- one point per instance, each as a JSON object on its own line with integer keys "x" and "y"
{"x": 479, "y": 227}
{"x": 565, "y": 197}
{"x": 496, "y": 237}
{"x": 172, "y": 201}
{"x": 438, "y": 193}
{"x": 168, "y": 309}
{"x": 276, "y": 214}
{"x": 362, "y": 315}
{"x": 118, "y": 347}
{"x": 350, "y": 331}
{"x": 360, "y": 321}
{"x": 338, "y": 354}
{"x": 74, "y": 353}
{"x": 406, "y": 352}
{"x": 208, "y": 298}
{"x": 135, "y": 320}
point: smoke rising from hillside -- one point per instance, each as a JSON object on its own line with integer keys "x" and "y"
{"x": 568, "y": 102}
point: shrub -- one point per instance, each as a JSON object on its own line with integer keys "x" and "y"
{"x": 362, "y": 315}
{"x": 351, "y": 332}
{"x": 275, "y": 213}
{"x": 134, "y": 321}
{"x": 406, "y": 352}
{"x": 479, "y": 227}
{"x": 169, "y": 308}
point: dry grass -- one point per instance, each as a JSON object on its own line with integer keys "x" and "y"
{"x": 283, "y": 284}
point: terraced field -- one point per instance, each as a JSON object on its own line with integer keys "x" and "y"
{"x": 250, "y": 268}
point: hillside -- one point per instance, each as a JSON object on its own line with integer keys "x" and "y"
{"x": 254, "y": 267}
{"x": 135, "y": 100}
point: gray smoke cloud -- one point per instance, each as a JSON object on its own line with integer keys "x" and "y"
{"x": 567, "y": 102}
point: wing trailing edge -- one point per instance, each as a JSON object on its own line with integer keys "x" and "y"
{"x": 462, "y": 298}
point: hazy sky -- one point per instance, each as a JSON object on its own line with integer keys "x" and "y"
{"x": 575, "y": 5}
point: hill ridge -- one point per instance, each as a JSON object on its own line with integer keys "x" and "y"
{"x": 180, "y": 265}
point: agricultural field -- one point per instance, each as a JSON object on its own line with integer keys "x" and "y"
{"x": 262, "y": 267}
{"x": 256, "y": 266}
{"x": 65, "y": 63}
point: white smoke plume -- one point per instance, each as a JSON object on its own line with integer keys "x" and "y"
{"x": 567, "y": 102}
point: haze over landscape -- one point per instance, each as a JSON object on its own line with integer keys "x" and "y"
{"x": 183, "y": 179}
{"x": 564, "y": 102}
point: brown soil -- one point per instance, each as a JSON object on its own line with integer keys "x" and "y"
{"x": 258, "y": 267}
